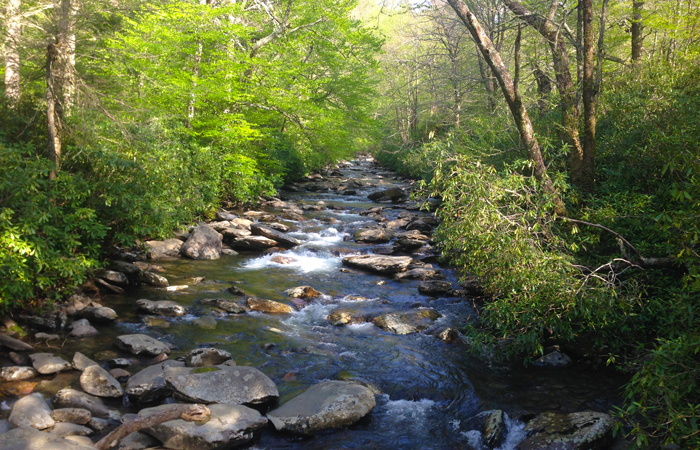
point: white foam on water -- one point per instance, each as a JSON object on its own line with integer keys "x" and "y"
{"x": 4, "y": 406}
{"x": 301, "y": 262}
{"x": 327, "y": 237}
{"x": 515, "y": 433}
{"x": 406, "y": 410}
{"x": 360, "y": 327}
{"x": 314, "y": 314}
{"x": 354, "y": 298}
{"x": 473, "y": 438}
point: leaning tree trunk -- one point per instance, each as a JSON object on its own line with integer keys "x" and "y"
{"x": 12, "y": 36}
{"x": 512, "y": 96}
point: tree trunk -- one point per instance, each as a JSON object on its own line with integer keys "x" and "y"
{"x": 54, "y": 147}
{"x": 14, "y": 30}
{"x": 637, "y": 31}
{"x": 512, "y": 96}
{"x": 64, "y": 67}
{"x": 589, "y": 96}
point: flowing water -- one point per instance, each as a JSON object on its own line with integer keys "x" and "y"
{"x": 426, "y": 389}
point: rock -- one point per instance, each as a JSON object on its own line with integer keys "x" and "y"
{"x": 18, "y": 359}
{"x": 148, "y": 385}
{"x": 491, "y": 425}
{"x": 396, "y": 224}
{"x": 231, "y": 306}
{"x": 113, "y": 277}
{"x": 82, "y": 362}
{"x": 419, "y": 225}
{"x": 448, "y": 335}
{"x": 204, "y": 243}
{"x": 201, "y": 357}
{"x": 70, "y": 429}
{"x": 100, "y": 314}
{"x": 82, "y": 331}
{"x": 17, "y": 373}
{"x": 393, "y": 194}
{"x": 373, "y": 235}
{"x": 277, "y": 226}
{"x": 290, "y": 215}
{"x": 241, "y": 223}
{"x": 208, "y": 322}
{"x": 109, "y": 286}
{"x": 161, "y": 307}
{"x": 380, "y": 264}
{"x": 82, "y": 440}
{"x": 304, "y": 292}
{"x": 153, "y": 279}
{"x": 346, "y": 316}
{"x": 97, "y": 381}
{"x": 221, "y": 384}
{"x": 169, "y": 248}
{"x": 586, "y": 430}
{"x": 5, "y": 426}
{"x": 31, "y": 411}
{"x": 14, "y": 344}
{"x": 219, "y": 226}
{"x": 103, "y": 425}
{"x": 72, "y": 415}
{"x": 419, "y": 274}
{"x": 230, "y": 234}
{"x": 279, "y": 259}
{"x": 120, "y": 362}
{"x": 228, "y": 252}
{"x": 32, "y": 439}
{"x": 155, "y": 321}
{"x": 47, "y": 363}
{"x": 235, "y": 290}
{"x": 46, "y": 336}
{"x": 407, "y": 322}
{"x": 330, "y": 404}
{"x": 553, "y": 359}
{"x": 140, "y": 344}
{"x": 137, "y": 441}
{"x": 255, "y": 243}
{"x": 120, "y": 374}
{"x": 281, "y": 238}
{"x": 70, "y": 398}
{"x": 435, "y": 288}
{"x": 131, "y": 271}
{"x": 229, "y": 426}
{"x": 225, "y": 215}
{"x": 268, "y": 306}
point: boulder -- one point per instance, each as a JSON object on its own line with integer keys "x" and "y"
{"x": 554, "y": 359}
{"x": 225, "y": 215}
{"x": 373, "y": 235}
{"x": 131, "y": 271}
{"x": 419, "y": 225}
{"x": 101, "y": 314}
{"x": 586, "y": 430}
{"x": 161, "y": 307}
{"x": 420, "y": 274}
{"x": 70, "y": 398}
{"x": 14, "y": 344}
{"x": 203, "y": 243}
{"x": 65, "y": 429}
{"x": 148, "y": 385}
{"x": 268, "y": 306}
{"x": 112, "y": 276}
{"x": 47, "y": 363}
{"x": 141, "y": 344}
{"x": 407, "y": 322}
{"x": 201, "y": 357}
{"x": 347, "y": 316}
{"x": 393, "y": 194}
{"x": 219, "y": 226}
{"x": 121, "y": 375}
{"x": 254, "y": 243}
{"x": 330, "y": 404}
{"x": 82, "y": 362}
{"x": 153, "y": 279}
{"x": 221, "y": 384}
{"x": 237, "y": 306}
{"x": 97, "y": 381}
{"x": 72, "y": 415}
{"x": 231, "y": 233}
{"x": 378, "y": 263}
{"x": 229, "y": 426}
{"x": 281, "y": 238}
{"x": 435, "y": 288}
{"x": 304, "y": 292}
{"x": 138, "y": 441}
{"x": 31, "y": 411}
{"x": 17, "y": 373}
{"x": 169, "y": 248}
{"x": 32, "y": 439}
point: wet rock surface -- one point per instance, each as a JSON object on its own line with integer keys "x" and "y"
{"x": 379, "y": 264}
{"x": 32, "y": 439}
{"x": 577, "y": 431}
{"x": 140, "y": 344}
{"x": 204, "y": 243}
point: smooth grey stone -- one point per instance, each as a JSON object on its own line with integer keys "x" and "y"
{"x": 48, "y": 363}
{"x": 32, "y": 439}
{"x": 31, "y": 411}
{"x": 97, "y": 381}
{"x": 140, "y": 344}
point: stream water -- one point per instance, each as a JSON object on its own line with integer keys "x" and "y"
{"x": 426, "y": 388}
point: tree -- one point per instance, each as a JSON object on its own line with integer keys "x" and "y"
{"x": 12, "y": 58}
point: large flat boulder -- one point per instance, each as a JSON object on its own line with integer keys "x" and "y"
{"x": 378, "y": 263}
{"x": 48, "y": 363}
{"x": 393, "y": 194}
{"x": 282, "y": 239}
{"x": 169, "y": 248}
{"x": 97, "y": 381}
{"x": 268, "y": 306}
{"x": 253, "y": 243}
{"x": 407, "y": 322}
{"x": 221, "y": 384}
{"x": 236, "y": 306}
{"x": 586, "y": 430}
{"x": 32, "y": 439}
{"x": 373, "y": 235}
{"x": 31, "y": 411}
{"x": 330, "y": 404}
{"x": 141, "y": 344}
{"x": 204, "y": 243}
{"x": 148, "y": 385}
{"x": 228, "y": 426}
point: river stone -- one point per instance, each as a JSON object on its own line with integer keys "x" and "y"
{"x": 70, "y": 398}
{"x": 379, "y": 264}
{"x": 229, "y": 426}
{"x": 47, "y": 363}
{"x": 100, "y": 314}
{"x": 304, "y": 292}
{"x": 82, "y": 362}
{"x": 220, "y": 225}
{"x": 225, "y": 215}
{"x": 554, "y": 359}
{"x": 140, "y": 344}
{"x": 65, "y": 429}
{"x": 347, "y": 316}
{"x": 153, "y": 279}
{"x": 420, "y": 274}
{"x": 201, "y": 357}
{"x": 419, "y": 225}
{"x": 148, "y": 385}
{"x": 236, "y": 306}
{"x": 208, "y": 322}
{"x": 32, "y": 439}
{"x": 284, "y": 240}
{"x": 255, "y": 243}
{"x": 329, "y": 404}
{"x": 161, "y": 307}
{"x": 17, "y": 373}
{"x": 435, "y": 288}
{"x": 72, "y": 415}
{"x": 14, "y": 344}
{"x": 393, "y": 194}
{"x": 137, "y": 441}
{"x": 373, "y": 235}
{"x": 132, "y": 271}
{"x": 31, "y": 411}
{"x": 407, "y": 322}
{"x": 586, "y": 430}
{"x": 97, "y": 381}
{"x": 231, "y": 233}
{"x": 203, "y": 243}
{"x": 169, "y": 248}
{"x": 113, "y": 276}
{"x": 221, "y": 384}
{"x": 277, "y": 226}
{"x": 5, "y": 426}
{"x": 268, "y": 306}
{"x": 82, "y": 331}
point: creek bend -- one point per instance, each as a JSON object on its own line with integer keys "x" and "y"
{"x": 425, "y": 388}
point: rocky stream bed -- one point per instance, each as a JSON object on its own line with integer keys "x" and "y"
{"x": 320, "y": 320}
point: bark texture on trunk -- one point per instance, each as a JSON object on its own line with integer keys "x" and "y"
{"x": 589, "y": 96}
{"x": 12, "y": 37}
{"x": 52, "y": 111}
{"x": 512, "y": 96}
{"x": 637, "y": 30}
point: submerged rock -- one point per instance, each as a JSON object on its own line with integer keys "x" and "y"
{"x": 161, "y": 307}
{"x": 407, "y": 322}
{"x": 380, "y": 264}
{"x": 268, "y": 306}
{"x": 587, "y": 430}
{"x": 237, "y": 306}
{"x": 201, "y": 357}
{"x": 203, "y": 243}
{"x": 330, "y": 404}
